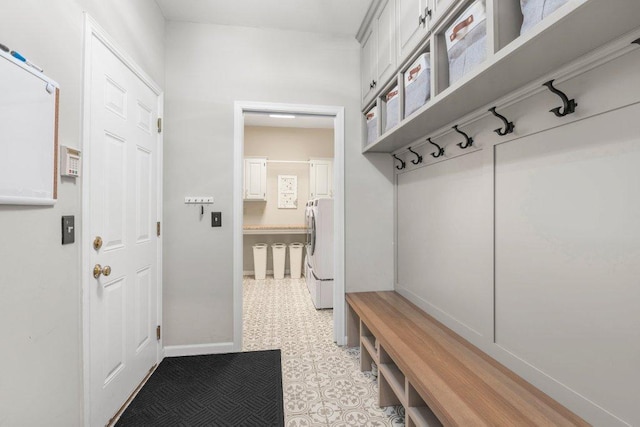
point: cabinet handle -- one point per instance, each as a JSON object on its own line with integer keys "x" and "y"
{"x": 374, "y": 83}
{"x": 427, "y": 12}
{"x": 421, "y": 20}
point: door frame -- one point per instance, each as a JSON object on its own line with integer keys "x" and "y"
{"x": 241, "y": 107}
{"x": 93, "y": 29}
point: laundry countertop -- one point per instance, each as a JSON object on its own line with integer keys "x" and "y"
{"x": 274, "y": 229}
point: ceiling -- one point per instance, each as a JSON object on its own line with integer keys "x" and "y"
{"x": 300, "y": 121}
{"x": 317, "y": 16}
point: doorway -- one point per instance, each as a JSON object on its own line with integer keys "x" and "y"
{"x": 336, "y": 116}
{"x": 121, "y": 250}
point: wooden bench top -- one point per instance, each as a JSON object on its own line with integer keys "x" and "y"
{"x": 462, "y": 385}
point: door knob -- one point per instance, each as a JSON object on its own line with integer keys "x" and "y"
{"x": 98, "y": 270}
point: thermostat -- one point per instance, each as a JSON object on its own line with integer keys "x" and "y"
{"x": 69, "y": 162}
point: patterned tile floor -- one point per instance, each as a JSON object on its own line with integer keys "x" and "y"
{"x": 323, "y": 385}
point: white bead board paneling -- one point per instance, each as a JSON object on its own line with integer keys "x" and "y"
{"x": 602, "y": 89}
{"x": 567, "y": 256}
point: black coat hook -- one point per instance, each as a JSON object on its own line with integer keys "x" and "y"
{"x": 569, "y": 104}
{"x": 508, "y": 126}
{"x": 440, "y": 149}
{"x": 402, "y": 163}
{"x": 418, "y": 160}
{"x": 469, "y": 141}
{"x": 636, "y": 41}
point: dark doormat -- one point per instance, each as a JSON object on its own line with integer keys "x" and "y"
{"x": 235, "y": 389}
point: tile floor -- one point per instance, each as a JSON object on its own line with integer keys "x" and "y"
{"x": 323, "y": 385}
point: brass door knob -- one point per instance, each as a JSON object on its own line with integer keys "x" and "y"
{"x": 97, "y": 243}
{"x": 99, "y": 270}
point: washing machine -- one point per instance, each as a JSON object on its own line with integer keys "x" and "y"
{"x": 319, "y": 248}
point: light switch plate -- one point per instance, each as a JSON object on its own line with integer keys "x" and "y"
{"x": 216, "y": 219}
{"x": 68, "y": 230}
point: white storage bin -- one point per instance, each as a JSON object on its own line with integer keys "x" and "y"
{"x": 372, "y": 125}
{"x": 295, "y": 259}
{"x": 260, "y": 261}
{"x": 279, "y": 253}
{"x": 392, "y": 116}
{"x": 417, "y": 84}
{"x": 534, "y": 11}
{"x": 466, "y": 40}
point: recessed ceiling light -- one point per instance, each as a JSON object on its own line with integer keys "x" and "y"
{"x": 282, "y": 116}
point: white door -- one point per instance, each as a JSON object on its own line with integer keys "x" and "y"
{"x": 122, "y": 179}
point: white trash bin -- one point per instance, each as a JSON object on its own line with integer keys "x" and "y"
{"x": 295, "y": 259}
{"x": 279, "y": 253}
{"x": 260, "y": 260}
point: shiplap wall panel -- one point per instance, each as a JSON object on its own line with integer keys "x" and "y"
{"x": 568, "y": 256}
{"x": 443, "y": 239}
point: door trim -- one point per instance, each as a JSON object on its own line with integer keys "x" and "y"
{"x": 241, "y": 107}
{"x": 93, "y": 29}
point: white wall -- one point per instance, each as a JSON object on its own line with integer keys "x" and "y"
{"x": 40, "y": 287}
{"x": 208, "y": 68}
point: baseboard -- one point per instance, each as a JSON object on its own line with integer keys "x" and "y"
{"x": 198, "y": 349}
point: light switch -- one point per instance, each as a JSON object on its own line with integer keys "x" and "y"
{"x": 216, "y": 219}
{"x": 68, "y": 230}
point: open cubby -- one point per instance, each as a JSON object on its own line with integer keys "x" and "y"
{"x": 390, "y": 110}
{"x": 394, "y": 388}
{"x": 368, "y": 352}
{"x": 418, "y": 414}
{"x": 391, "y": 379}
{"x": 416, "y": 82}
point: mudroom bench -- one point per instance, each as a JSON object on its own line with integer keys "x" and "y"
{"x": 438, "y": 376}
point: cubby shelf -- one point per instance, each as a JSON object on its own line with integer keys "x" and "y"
{"x": 578, "y": 28}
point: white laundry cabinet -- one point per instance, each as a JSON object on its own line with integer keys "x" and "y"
{"x": 320, "y": 178}
{"x": 255, "y": 179}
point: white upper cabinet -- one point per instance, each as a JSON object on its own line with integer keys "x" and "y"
{"x": 440, "y": 7}
{"x": 320, "y": 178}
{"x": 378, "y": 50}
{"x": 255, "y": 179}
{"x": 414, "y": 21}
{"x": 368, "y": 63}
{"x": 386, "y": 42}
{"x": 401, "y": 30}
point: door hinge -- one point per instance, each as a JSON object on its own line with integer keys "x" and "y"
{"x": 159, "y": 124}
{"x": 158, "y": 333}
{"x": 158, "y": 228}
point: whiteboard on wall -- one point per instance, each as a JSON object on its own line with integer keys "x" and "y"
{"x": 28, "y": 134}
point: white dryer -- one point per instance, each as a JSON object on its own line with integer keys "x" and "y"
{"x": 319, "y": 268}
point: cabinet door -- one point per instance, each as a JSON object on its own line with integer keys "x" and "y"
{"x": 440, "y": 7}
{"x": 385, "y": 24}
{"x": 320, "y": 178}
{"x": 367, "y": 62}
{"x": 413, "y": 25}
{"x": 255, "y": 179}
